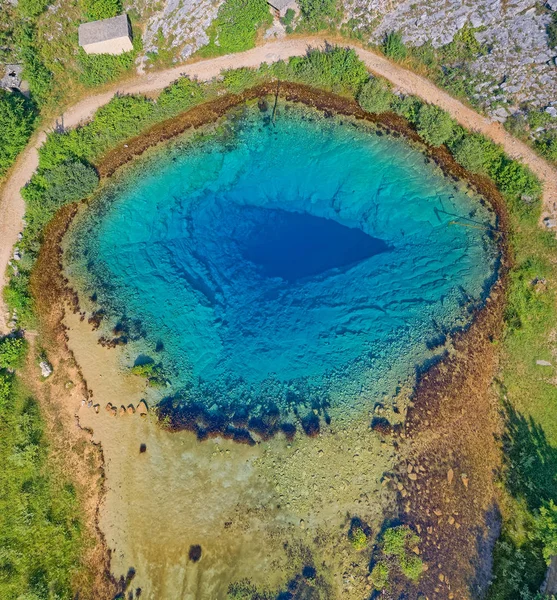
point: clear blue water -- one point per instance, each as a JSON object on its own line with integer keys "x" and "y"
{"x": 300, "y": 263}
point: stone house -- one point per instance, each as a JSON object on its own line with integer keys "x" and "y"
{"x": 279, "y": 7}
{"x": 108, "y": 36}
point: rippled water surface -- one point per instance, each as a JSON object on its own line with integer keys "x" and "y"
{"x": 291, "y": 262}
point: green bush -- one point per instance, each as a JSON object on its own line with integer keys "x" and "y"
{"x": 516, "y": 181}
{"x": 50, "y": 190}
{"x": 34, "y": 70}
{"x": 546, "y": 529}
{"x": 397, "y": 544}
{"x": 94, "y": 10}
{"x": 434, "y": 125}
{"x": 476, "y": 153}
{"x": 394, "y": 47}
{"x": 32, "y": 8}
{"x": 235, "y": 28}
{"x": 407, "y": 107}
{"x": 179, "y": 96}
{"x": 398, "y": 540}
{"x": 238, "y": 80}
{"x": 358, "y": 538}
{"x": 97, "y": 69}
{"x": 336, "y": 69}
{"x": 380, "y": 576}
{"x": 288, "y": 18}
{"x": 318, "y": 14}
{"x": 6, "y": 384}
{"x": 375, "y": 97}
{"x": 464, "y": 46}
{"x": 12, "y": 352}
{"x": 17, "y": 118}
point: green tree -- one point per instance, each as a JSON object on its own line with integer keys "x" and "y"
{"x": 17, "y": 118}
{"x": 434, "y": 125}
{"x": 394, "y": 47}
{"x": 375, "y": 97}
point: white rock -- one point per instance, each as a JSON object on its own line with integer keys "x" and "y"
{"x": 46, "y": 369}
{"x": 543, "y": 363}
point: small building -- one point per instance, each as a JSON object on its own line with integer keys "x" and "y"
{"x": 108, "y": 36}
{"x": 11, "y": 77}
{"x": 279, "y": 7}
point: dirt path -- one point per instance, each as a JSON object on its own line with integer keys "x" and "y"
{"x": 12, "y": 205}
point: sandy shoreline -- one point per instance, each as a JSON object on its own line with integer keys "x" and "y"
{"x": 12, "y": 205}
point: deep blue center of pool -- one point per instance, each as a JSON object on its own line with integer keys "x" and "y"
{"x": 293, "y": 245}
{"x": 290, "y": 263}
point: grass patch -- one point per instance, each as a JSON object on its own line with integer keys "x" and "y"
{"x": 41, "y": 540}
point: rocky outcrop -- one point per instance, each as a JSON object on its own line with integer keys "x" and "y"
{"x": 518, "y": 68}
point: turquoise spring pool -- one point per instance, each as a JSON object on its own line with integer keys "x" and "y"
{"x": 306, "y": 263}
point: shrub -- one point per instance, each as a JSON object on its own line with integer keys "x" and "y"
{"x": 434, "y": 125}
{"x": 411, "y": 566}
{"x": 236, "y": 25}
{"x": 48, "y": 191}
{"x": 380, "y": 576}
{"x": 34, "y": 70}
{"x": 31, "y": 8}
{"x": 288, "y": 18}
{"x": 238, "y": 80}
{"x": 408, "y": 107}
{"x": 317, "y": 14}
{"x": 97, "y": 69}
{"x": 394, "y": 47}
{"x": 375, "y": 97}
{"x": 516, "y": 180}
{"x": 337, "y": 69}
{"x": 397, "y": 543}
{"x": 16, "y": 124}
{"x": 6, "y": 383}
{"x": 12, "y": 352}
{"x": 464, "y": 46}
{"x": 476, "y": 153}
{"x": 546, "y": 529}
{"x": 358, "y": 538}
{"x": 101, "y": 9}
{"x": 179, "y": 96}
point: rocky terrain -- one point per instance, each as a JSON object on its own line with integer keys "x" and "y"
{"x": 518, "y": 67}
{"x": 178, "y": 25}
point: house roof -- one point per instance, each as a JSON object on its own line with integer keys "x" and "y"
{"x": 280, "y": 4}
{"x": 106, "y": 29}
